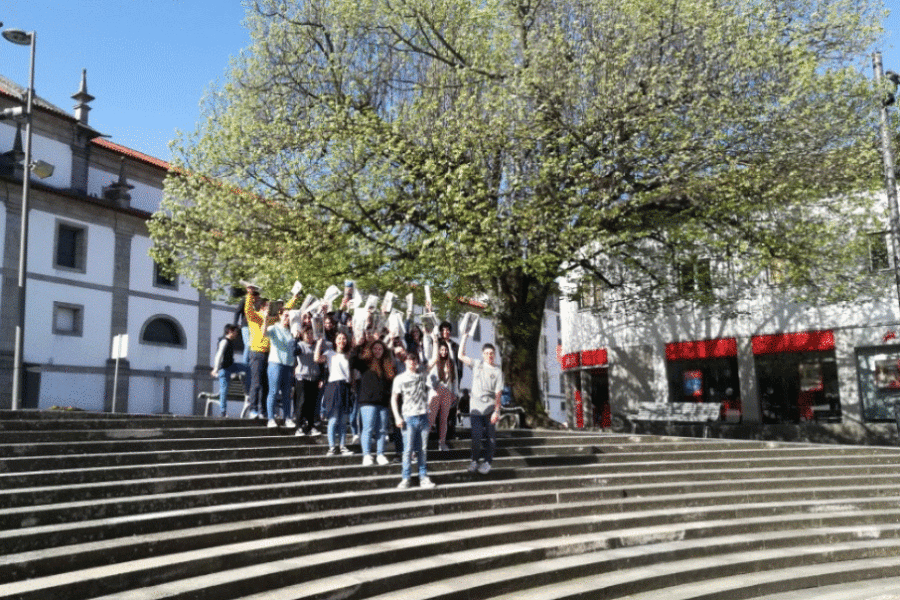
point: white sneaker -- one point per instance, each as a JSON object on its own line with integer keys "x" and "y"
{"x": 354, "y": 439}
{"x": 473, "y": 466}
{"x": 426, "y": 482}
{"x": 314, "y": 431}
{"x": 368, "y": 461}
{"x": 484, "y": 468}
{"x": 443, "y": 447}
{"x": 346, "y": 451}
{"x": 381, "y": 459}
{"x": 271, "y": 424}
{"x": 252, "y": 414}
{"x": 404, "y": 483}
{"x": 289, "y": 423}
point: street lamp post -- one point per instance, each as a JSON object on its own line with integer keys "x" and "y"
{"x": 890, "y": 177}
{"x": 17, "y": 36}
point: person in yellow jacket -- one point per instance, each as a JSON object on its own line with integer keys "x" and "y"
{"x": 256, "y": 309}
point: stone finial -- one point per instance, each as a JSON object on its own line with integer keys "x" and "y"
{"x": 82, "y": 98}
{"x": 118, "y": 191}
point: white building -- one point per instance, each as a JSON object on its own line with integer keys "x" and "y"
{"x": 774, "y": 368}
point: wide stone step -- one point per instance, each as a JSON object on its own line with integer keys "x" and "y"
{"x": 99, "y": 467}
{"x": 256, "y": 436}
{"x": 300, "y": 481}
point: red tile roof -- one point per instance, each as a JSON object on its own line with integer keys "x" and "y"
{"x": 145, "y": 158}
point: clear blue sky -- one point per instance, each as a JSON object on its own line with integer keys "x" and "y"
{"x": 149, "y": 61}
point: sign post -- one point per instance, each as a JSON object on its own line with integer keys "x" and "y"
{"x": 119, "y": 351}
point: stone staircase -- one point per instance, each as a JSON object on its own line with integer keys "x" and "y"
{"x": 140, "y": 507}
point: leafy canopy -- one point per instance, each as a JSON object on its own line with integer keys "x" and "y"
{"x": 474, "y": 145}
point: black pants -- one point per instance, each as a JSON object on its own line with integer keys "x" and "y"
{"x": 259, "y": 381}
{"x": 306, "y": 396}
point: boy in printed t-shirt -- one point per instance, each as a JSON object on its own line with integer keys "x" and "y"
{"x": 413, "y": 418}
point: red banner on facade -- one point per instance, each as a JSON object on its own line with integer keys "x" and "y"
{"x": 588, "y": 358}
{"x": 594, "y": 358}
{"x": 721, "y": 348}
{"x": 571, "y": 361}
{"x": 807, "y": 341}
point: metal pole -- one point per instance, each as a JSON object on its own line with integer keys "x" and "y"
{"x": 18, "y": 354}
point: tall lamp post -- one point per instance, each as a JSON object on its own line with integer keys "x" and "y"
{"x": 887, "y": 153}
{"x": 22, "y": 38}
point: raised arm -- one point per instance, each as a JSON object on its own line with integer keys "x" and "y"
{"x": 462, "y": 350}
{"x": 317, "y": 354}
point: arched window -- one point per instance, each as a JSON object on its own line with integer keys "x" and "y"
{"x": 163, "y": 330}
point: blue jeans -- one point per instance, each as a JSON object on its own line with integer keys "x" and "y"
{"x": 415, "y": 439}
{"x": 354, "y": 414}
{"x": 245, "y": 335}
{"x": 224, "y": 377}
{"x": 281, "y": 377}
{"x": 374, "y": 419}
{"x": 484, "y": 435}
{"x": 334, "y": 409}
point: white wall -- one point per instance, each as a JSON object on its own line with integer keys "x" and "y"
{"x": 84, "y": 391}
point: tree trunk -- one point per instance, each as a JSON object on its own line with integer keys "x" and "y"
{"x": 519, "y": 311}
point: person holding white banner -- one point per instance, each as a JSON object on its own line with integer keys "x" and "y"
{"x": 484, "y": 404}
{"x": 336, "y": 398}
{"x": 443, "y": 393}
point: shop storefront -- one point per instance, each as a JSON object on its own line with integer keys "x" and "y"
{"x": 878, "y": 369}
{"x": 705, "y": 371}
{"x": 797, "y": 377}
{"x": 587, "y": 375}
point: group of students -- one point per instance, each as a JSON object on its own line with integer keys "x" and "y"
{"x": 368, "y": 378}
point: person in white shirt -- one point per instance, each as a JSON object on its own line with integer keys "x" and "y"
{"x": 412, "y": 418}
{"x": 484, "y": 404}
{"x": 336, "y": 398}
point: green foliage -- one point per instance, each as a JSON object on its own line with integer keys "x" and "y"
{"x": 488, "y": 147}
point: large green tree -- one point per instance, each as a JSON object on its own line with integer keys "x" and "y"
{"x": 486, "y": 148}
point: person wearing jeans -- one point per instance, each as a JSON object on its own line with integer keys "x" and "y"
{"x": 281, "y": 367}
{"x": 484, "y": 405}
{"x": 377, "y": 374}
{"x": 412, "y": 419}
{"x": 224, "y": 366}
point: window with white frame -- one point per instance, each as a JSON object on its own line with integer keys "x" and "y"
{"x": 68, "y": 319}
{"x": 70, "y": 249}
{"x": 878, "y": 251}
{"x": 590, "y": 293}
{"x": 694, "y": 276}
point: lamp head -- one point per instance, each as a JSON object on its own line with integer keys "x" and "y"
{"x": 42, "y": 169}
{"x": 17, "y": 36}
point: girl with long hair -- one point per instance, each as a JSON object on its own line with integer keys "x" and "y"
{"x": 376, "y": 366}
{"x": 336, "y": 398}
{"x": 444, "y": 390}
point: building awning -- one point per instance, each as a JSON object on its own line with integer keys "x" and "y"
{"x": 806, "y": 341}
{"x": 597, "y": 357}
{"x": 720, "y": 348}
